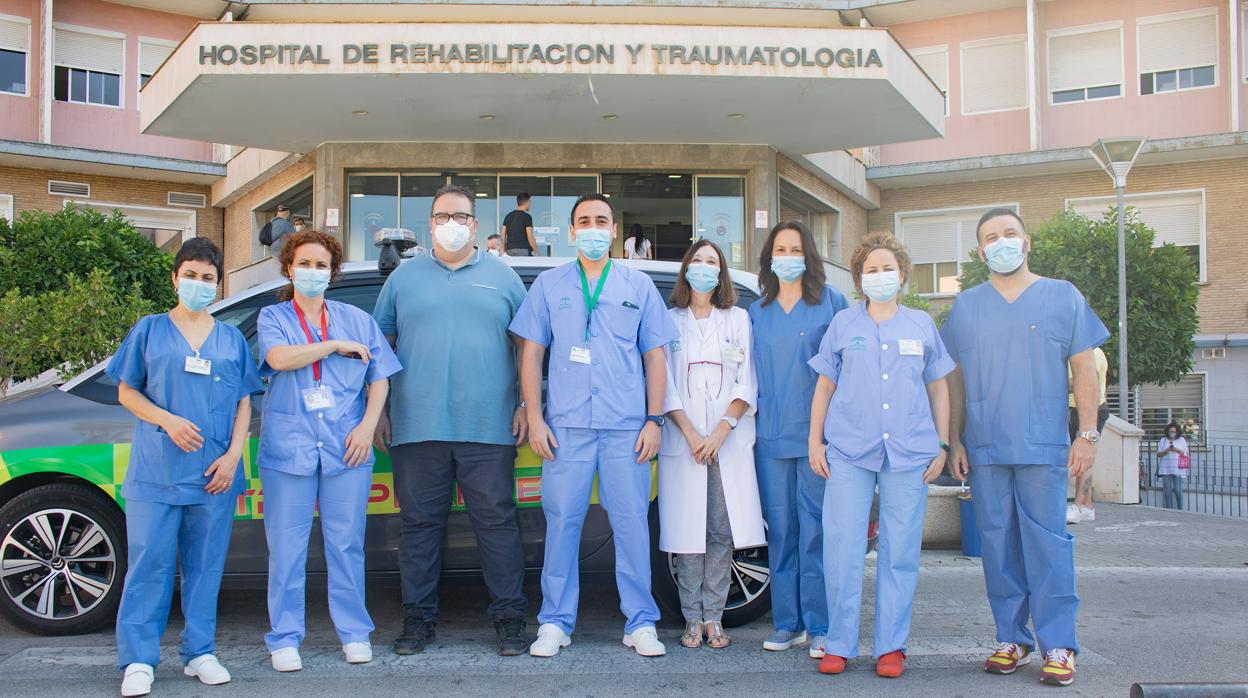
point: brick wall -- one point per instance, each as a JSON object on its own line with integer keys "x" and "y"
{"x": 852, "y": 216}
{"x": 1223, "y": 304}
{"x": 30, "y": 192}
{"x": 240, "y": 230}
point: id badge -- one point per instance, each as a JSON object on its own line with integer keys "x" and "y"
{"x": 732, "y": 353}
{"x": 318, "y": 398}
{"x": 580, "y": 355}
{"x": 910, "y": 347}
{"x": 199, "y": 366}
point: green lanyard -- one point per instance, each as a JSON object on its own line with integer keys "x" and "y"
{"x": 591, "y": 302}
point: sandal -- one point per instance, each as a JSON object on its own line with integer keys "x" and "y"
{"x": 716, "y": 638}
{"x": 693, "y": 635}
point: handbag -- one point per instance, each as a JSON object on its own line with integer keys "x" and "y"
{"x": 1185, "y": 462}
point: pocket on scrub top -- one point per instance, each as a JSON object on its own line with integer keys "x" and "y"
{"x": 1049, "y": 421}
{"x": 153, "y": 455}
{"x": 624, "y": 321}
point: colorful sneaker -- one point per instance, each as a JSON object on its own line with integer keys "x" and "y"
{"x": 1059, "y": 667}
{"x": 1007, "y": 658}
{"x": 831, "y": 664}
{"x": 891, "y": 665}
{"x": 1072, "y": 514}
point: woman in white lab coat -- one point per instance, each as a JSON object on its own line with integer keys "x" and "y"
{"x": 708, "y": 492}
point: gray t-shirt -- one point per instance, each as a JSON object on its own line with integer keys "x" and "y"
{"x": 279, "y": 227}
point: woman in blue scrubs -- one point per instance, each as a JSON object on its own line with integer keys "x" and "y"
{"x": 188, "y": 379}
{"x": 789, "y": 320}
{"x": 328, "y": 365}
{"x": 882, "y": 405}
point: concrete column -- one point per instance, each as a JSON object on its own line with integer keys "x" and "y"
{"x": 47, "y": 86}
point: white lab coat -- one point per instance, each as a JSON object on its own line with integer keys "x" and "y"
{"x": 698, "y": 391}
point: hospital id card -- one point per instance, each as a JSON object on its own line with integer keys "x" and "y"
{"x": 732, "y": 353}
{"x": 198, "y": 366}
{"x": 910, "y": 347}
{"x": 580, "y": 355}
{"x": 318, "y": 398}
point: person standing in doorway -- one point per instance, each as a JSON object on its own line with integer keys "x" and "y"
{"x": 637, "y": 246}
{"x": 517, "y": 232}
{"x": 789, "y": 321}
{"x": 1012, "y": 339}
{"x": 1171, "y": 450}
{"x": 455, "y": 418}
{"x": 606, "y": 327}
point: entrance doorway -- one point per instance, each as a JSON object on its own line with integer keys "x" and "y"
{"x": 660, "y": 205}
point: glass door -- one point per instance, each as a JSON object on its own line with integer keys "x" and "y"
{"x": 415, "y": 204}
{"x": 374, "y": 204}
{"x": 719, "y": 214}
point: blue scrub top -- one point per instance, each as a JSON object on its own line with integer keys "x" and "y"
{"x": 294, "y": 439}
{"x": 152, "y": 360}
{"x": 783, "y": 343}
{"x": 1014, "y": 359}
{"x": 880, "y": 407}
{"x": 630, "y": 320}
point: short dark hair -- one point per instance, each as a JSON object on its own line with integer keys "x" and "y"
{"x": 200, "y": 250}
{"x": 523, "y": 198}
{"x": 297, "y": 220}
{"x": 995, "y": 212}
{"x": 457, "y": 190}
{"x": 595, "y": 196}
{"x": 495, "y": 236}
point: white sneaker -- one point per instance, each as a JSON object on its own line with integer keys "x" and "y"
{"x": 287, "y": 659}
{"x": 358, "y": 652}
{"x": 1072, "y": 514}
{"x": 550, "y": 639}
{"x": 208, "y": 670}
{"x": 1087, "y": 514}
{"x": 816, "y": 646}
{"x": 137, "y": 680}
{"x": 645, "y": 641}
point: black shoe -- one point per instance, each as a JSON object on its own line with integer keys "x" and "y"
{"x": 418, "y": 633}
{"x": 511, "y": 639}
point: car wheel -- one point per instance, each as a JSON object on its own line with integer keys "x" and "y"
{"x": 62, "y": 559}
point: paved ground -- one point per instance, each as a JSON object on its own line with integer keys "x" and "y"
{"x": 1165, "y": 598}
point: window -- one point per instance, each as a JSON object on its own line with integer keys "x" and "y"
{"x": 14, "y": 48}
{"x": 88, "y": 66}
{"x": 1085, "y": 63}
{"x": 6, "y": 207}
{"x": 152, "y": 52}
{"x": 823, "y": 220}
{"x": 940, "y": 242}
{"x": 935, "y": 62}
{"x": 1177, "y": 218}
{"x": 1178, "y": 51}
{"x": 1182, "y": 402}
{"x": 994, "y": 75}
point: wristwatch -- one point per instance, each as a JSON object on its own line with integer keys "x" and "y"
{"x": 944, "y": 445}
{"x": 1091, "y": 435}
{"x": 657, "y": 419}
{"x": 732, "y": 421}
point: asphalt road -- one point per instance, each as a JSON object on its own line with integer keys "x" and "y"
{"x": 1165, "y": 598}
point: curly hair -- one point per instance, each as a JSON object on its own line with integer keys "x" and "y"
{"x": 879, "y": 241}
{"x": 292, "y": 242}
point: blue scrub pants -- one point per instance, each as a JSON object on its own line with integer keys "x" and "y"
{"x": 846, "y": 517}
{"x": 160, "y": 538}
{"x": 341, "y": 499}
{"x": 792, "y": 497}
{"x": 1029, "y": 559}
{"x": 624, "y": 491}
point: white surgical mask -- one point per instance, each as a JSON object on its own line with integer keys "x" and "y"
{"x": 881, "y": 287}
{"x": 494, "y": 252}
{"x": 452, "y": 236}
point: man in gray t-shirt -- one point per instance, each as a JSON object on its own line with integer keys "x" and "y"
{"x": 279, "y": 226}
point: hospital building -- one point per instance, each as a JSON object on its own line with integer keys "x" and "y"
{"x": 699, "y": 118}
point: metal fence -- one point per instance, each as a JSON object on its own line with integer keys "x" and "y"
{"x": 1216, "y": 484}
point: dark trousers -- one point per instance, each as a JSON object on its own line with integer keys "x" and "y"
{"x": 424, "y": 474}
{"x": 519, "y": 252}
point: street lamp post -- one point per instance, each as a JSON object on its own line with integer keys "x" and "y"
{"x": 1116, "y": 156}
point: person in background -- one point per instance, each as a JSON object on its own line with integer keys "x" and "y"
{"x": 1081, "y": 509}
{"x": 789, "y": 320}
{"x": 708, "y": 491}
{"x": 328, "y": 366}
{"x": 278, "y": 227}
{"x": 297, "y": 224}
{"x": 637, "y": 246}
{"x": 517, "y": 232}
{"x": 188, "y": 380}
{"x": 494, "y": 244}
{"x": 879, "y": 418}
{"x": 1169, "y": 449}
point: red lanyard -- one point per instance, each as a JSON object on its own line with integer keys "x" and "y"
{"x": 303, "y": 322}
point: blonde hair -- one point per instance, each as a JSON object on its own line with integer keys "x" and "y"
{"x": 879, "y": 241}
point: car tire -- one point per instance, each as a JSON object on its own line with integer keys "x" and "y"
{"x": 62, "y": 559}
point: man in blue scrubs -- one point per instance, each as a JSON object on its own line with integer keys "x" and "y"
{"x": 1012, "y": 339}
{"x": 455, "y": 418}
{"x": 605, "y": 325}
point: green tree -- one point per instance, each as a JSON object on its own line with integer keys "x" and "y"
{"x": 1161, "y": 288}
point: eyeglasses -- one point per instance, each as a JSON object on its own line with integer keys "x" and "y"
{"x": 709, "y": 364}
{"x": 460, "y": 218}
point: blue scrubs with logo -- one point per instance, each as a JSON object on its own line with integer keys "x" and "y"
{"x": 302, "y": 466}
{"x": 880, "y": 433}
{"x": 596, "y": 411}
{"x": 171, "y": 521}
{"x": 1014, "y": 359}
{"x": 792, "y": 494}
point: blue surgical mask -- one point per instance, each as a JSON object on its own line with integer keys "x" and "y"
{"x": 1005, "y": 255}
{"x": 593, "y": 242}
{"x": 702, "y": 277}
{"x": 196, "y": 295}
{"x": 881, "y": 287}
{"x": 788, "y": 268}
{"x": 311, "y": 282}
